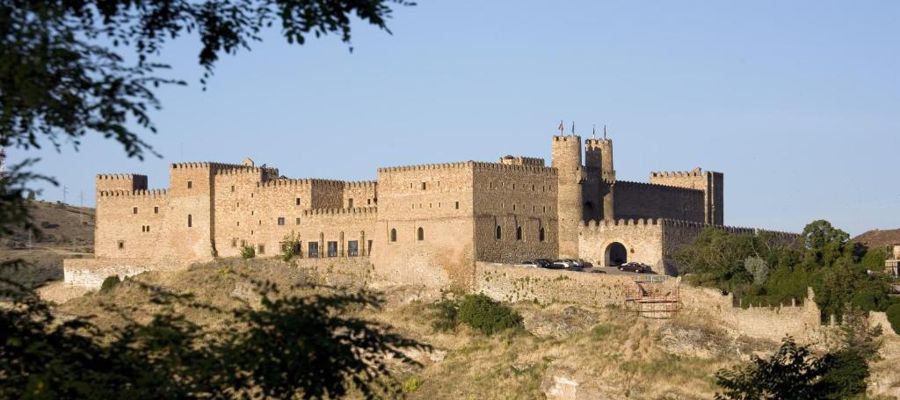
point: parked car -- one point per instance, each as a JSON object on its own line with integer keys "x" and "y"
{"x": 575, "y": 267}
{"x": 564, "y": 263}
{"x": 586, "y": 264}
{"x": 557, "y": 265}
{"x": 543, "y": 262}
{"x": 634, "y": 267}
{"x": 532, "y": 264}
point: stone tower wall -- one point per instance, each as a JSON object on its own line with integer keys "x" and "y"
{"x": 360, "y": 194}
{"x": 439, "y": 199}
{"x": 712, "y": 184}
{"x": 120, "y": 182}
{"x": 566, "y": 152}
{"x": 130, "y": 223}
{"x": 643, "y": 200}
{"x": 515, "y": 197}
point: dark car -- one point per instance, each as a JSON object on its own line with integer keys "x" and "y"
{"x": 557, "y": 265}
{"x": 586, "y": 264}
{"x": 543, "y": 262}
{"x": 634, "y": 267}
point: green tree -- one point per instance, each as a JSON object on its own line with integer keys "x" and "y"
{"x": 824, "y": 243}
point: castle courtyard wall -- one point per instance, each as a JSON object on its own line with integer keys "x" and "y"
{"x": 634, "y": 200}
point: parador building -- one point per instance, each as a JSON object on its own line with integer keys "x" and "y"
{"x": 421, "y": 224}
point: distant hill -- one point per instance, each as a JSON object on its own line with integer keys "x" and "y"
{"x": 66, "y": 232}
{"x": 61, "y": 225}
{"x": 879, "y": 237}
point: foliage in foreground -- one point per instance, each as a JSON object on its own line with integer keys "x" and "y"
{"x": 478, "y": 311}
{"x": 287, "y": 347}
{"x": 761, "y": 269}
{"x": 794, "y": 372}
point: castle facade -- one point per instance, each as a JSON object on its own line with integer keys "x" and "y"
{"x": 423, "y": 224}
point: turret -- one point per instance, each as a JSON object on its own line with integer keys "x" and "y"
{"x": 566, "y": 154}
{"x": 599, "y": 158}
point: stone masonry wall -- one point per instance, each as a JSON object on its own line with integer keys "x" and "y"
{"x": 635, "y": 200}
{"x": 710, "y": 183}
{"x": 504, "y": 282}
{"x": 642, "y": 240}
{"x": 520, "y": 201}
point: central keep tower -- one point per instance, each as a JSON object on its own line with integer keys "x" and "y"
{"x": 566, "y": 154}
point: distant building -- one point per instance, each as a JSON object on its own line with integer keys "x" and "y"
{"x": 423, "y": 224}
{"x": 892, "y": 266}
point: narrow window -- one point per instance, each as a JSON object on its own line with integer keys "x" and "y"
{"x": 393, "y": 235}
{"x": 134, "y": 210}
{"x": 518, "y": 233}
{"x": 352, "y": 248}
{"x": 156, "y": 210}
{"x": 232, "y": 188}
{"x": 190, "y": 221}
{"x": 239, "y": 223}
{"x": 121, "y": 245}
{"x": 297, "y": 222}
{"x": 190, "y": 184}
{"x": 424, "y": 185}
{"x": 499, "y": 233}
{"x": 297, "y": 201}
{"x": 262, "y": 249}
{"x": 233, "y": 242}
{"x": 457, "y": 205}
{"x": 420, "y": 234}
{"x": 280, "y": 221}
{"x": 514, "y": 207}
{"x": 541, "y": 234}
{"x": 332, "y": 249}
{"x": 313, "y": 249}
{"x": 369, "y": 246}
{"x": 368, "y": 201}
{"x": 349, "y": 203}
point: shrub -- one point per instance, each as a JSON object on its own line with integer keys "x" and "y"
{"x": 600, "y": 331}
{"x": 486, "y": 315}
{"x": 893, "y": 316}
{"x": 109, "y": 283}
{"x": 248, "y": 252}
{"x": 290, "y": 247}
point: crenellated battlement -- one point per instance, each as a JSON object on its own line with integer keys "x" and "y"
{"x": 595, "y": 225}
{"x": 596, "y": 143}
{"x": 205, "y": 164}
{"x": 372, "y": 210}
{"x": 487, "y": 166}
{"x": 280, "y": 182}
{"x": 360, "y": 184}
{"x": 656, "y": 185}
{"x": 133, "y": 193}
{"x": 422, "y": 167}
{"x": 522, "y": 160}
{"x": 696, "y": 172}
{"x": 566, "y": 138}
{"x": 243, "y": 170}
{"x": 120, "y": 176}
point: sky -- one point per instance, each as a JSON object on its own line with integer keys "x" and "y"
{"x": 797, "y": 103}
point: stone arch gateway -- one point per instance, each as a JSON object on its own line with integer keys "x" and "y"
{"x": 615, "y": 254}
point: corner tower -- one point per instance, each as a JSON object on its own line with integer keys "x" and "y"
{"x": 566, "y": 155}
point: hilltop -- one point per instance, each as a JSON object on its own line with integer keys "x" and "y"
{"x": 879, "y": 237}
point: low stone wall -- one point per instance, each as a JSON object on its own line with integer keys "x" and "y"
{"x": 90, "y": 272}
{"x": 800, "y": 321}
{"x": 505, "y": 282}
{"x": 354, "y": 272}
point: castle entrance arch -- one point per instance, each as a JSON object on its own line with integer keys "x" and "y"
{"x": 616, "y": 254}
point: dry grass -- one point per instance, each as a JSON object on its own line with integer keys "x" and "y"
{"x": 614, "y": 355}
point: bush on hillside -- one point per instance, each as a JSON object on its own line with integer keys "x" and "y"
{"x": 893, "y": 316}
{"x": 486, "y": 315}
{"x": 248, "y": 252}
{"x": 110, "y": 283}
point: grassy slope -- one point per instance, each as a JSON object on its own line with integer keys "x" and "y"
{"x": 612, "y": 353}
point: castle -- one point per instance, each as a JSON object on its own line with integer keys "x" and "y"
{"x": 423, "y": 224}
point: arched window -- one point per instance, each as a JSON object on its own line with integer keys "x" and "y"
{"x": 518, "y": 233}
{"x": 420, "y": 233}
{"x": 499, "y": 234}
{"x": 541, "y": 234}
{"x": 190, "y": 220}
{"x": 393, "y": 235}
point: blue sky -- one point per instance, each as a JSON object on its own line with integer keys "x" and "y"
{"x": 798, "y": 102}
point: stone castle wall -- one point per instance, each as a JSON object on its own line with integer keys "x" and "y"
{"x": 635, "y": 200}
{"x": 712, "y": 184}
